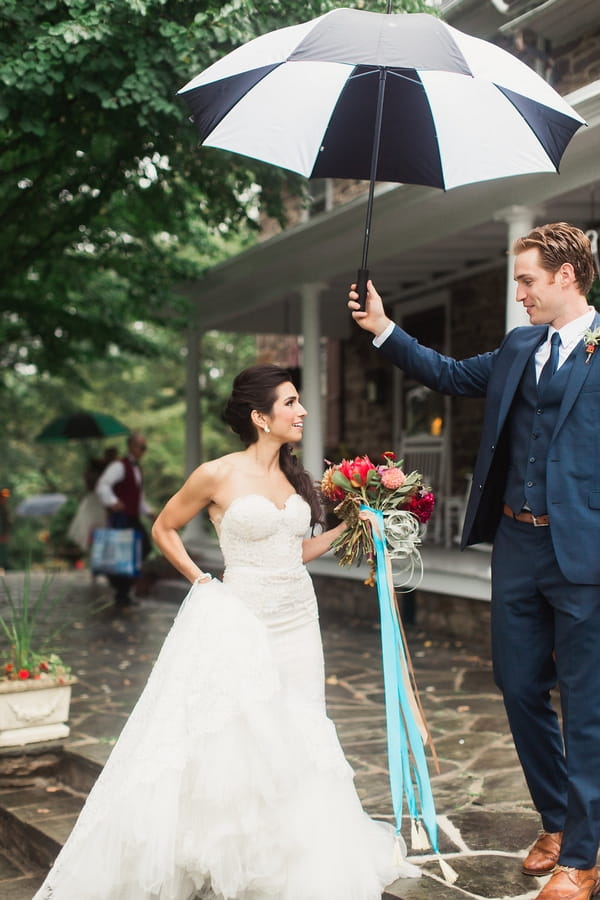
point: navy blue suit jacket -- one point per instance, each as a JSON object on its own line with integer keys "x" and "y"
{"x": 573, "y": 466}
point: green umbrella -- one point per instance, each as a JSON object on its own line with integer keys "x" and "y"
{"x": 81, "y": 425}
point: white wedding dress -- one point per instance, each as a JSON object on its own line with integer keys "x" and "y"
{"x": 228, "y": 779}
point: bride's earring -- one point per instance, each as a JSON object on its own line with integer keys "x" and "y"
{"x": 266, "y": 429}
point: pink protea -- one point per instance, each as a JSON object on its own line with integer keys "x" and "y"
{"x": 392, "y": 478}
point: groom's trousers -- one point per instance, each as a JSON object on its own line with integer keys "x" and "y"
{"x": 546, "y": 631}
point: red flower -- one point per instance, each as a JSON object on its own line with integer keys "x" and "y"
{"x": 356, "y": 470}
{"x": 389, "y": 454}
{"x": 24, "y": 673}
{"x": 422, "y": 506}
{"x": 8, "y": 668}
{"x": 44, "y": 667}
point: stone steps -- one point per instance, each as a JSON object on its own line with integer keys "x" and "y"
{"x": 41, "y": 794}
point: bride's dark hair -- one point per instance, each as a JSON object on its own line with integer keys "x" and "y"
{"x": 256, "y": 388}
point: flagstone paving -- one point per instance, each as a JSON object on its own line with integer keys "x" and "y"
{"x": 485, "y": 816}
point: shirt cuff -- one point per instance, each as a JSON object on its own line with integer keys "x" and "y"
{"x": 381, "y": 338}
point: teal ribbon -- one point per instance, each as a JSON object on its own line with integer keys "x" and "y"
{"x": 409, "y": 774}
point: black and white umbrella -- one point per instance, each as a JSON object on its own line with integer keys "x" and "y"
{"x": 385, "y": 97}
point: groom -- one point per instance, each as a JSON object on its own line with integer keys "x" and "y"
{"x": 536, "y": 494}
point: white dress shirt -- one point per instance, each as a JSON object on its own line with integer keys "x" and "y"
{"x": 570, "y": 335}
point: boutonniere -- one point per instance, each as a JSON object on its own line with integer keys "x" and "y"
{"x": 591, "y": 339}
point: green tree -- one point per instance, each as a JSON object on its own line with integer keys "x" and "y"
{"x": 106, "y": 201}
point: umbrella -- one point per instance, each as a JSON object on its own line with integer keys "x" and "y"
{"x": 40, "y": 505}
{"x": 80, "y": 425}
{"x": 384, "y": 97}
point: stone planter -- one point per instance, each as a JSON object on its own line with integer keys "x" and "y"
{"x": 34, "y": 710}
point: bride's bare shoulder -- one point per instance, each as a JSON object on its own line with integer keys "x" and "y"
{"x": 220, "y": 470}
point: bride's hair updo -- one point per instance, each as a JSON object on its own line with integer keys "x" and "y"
{"x": 256, "y": 388}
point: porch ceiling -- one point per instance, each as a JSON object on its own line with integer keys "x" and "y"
{"x": 421, "y": 239}
{"x": 558, "y": 21}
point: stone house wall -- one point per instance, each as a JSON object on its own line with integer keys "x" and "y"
{"x": 477, "y": 317}
{"x": 577, "y": 63}
{"x": 477, "y": 325}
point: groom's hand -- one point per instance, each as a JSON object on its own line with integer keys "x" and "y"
{"x": 372, "y": 318}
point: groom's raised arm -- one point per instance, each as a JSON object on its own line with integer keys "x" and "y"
{"x": 467, "y": 378}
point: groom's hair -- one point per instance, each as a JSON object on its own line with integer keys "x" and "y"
{"x": 560, "y": 243}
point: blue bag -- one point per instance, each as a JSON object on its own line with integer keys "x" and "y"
{"x": 116, "y": 551}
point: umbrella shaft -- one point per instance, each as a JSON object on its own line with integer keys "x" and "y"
{"x": 374, "y": 162}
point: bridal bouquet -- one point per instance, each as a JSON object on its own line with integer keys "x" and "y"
{"x": 405, "y": 502}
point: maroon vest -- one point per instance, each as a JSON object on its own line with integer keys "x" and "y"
{"x": 129, "y": 491}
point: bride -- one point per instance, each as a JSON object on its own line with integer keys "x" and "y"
{"x": 228, "y": 779}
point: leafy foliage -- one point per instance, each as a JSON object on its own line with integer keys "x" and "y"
{"x": 105, "y": 200}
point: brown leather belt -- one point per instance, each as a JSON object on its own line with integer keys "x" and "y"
{"x": 527, "y": 517}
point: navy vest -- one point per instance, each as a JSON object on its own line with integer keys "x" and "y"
{"x": 531, "y": 424}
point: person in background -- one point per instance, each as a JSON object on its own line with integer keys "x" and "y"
{"x": 90, "y": 513}
{"x": 4, "y": 529}
{"x": 536, "y": 495}
{"x": 120, "y": 489}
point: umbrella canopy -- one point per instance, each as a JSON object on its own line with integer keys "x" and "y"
{"x": 402, "y": 98}
{"x": 40, "y": 505}
{"x": 456, "y": 109}
{"x": 81, "y": 425}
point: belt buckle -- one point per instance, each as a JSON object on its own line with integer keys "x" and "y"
{"x": 537, "y": 524}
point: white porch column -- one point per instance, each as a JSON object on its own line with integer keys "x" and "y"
{"x": 193, "y": 535}
{"x": 312, "y": 442}
{"x": 520, "y": 221}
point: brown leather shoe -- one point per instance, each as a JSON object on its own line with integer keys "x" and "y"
{"x": 571, "y": 884}
{"x": 544, "y": 854}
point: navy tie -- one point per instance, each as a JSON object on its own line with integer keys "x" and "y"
{"x": 551, "y": 364}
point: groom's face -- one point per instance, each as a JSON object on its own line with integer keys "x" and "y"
{"x": 541, "y": 292}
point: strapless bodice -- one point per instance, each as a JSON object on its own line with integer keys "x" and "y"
{"x": 262, "y": 548}
{"x": 253, "y": 531}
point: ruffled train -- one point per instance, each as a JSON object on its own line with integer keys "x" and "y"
{"x": 219, "y": 786}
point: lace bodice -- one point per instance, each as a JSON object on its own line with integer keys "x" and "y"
{"x": 262, "y": 547}
{"x": 253, "y": 531}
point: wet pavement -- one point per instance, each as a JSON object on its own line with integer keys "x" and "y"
{"x": 485, "y": 816}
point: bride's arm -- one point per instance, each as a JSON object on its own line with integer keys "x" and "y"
{"x": 196, "y": 493}
{"x": 321, "y": 543}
